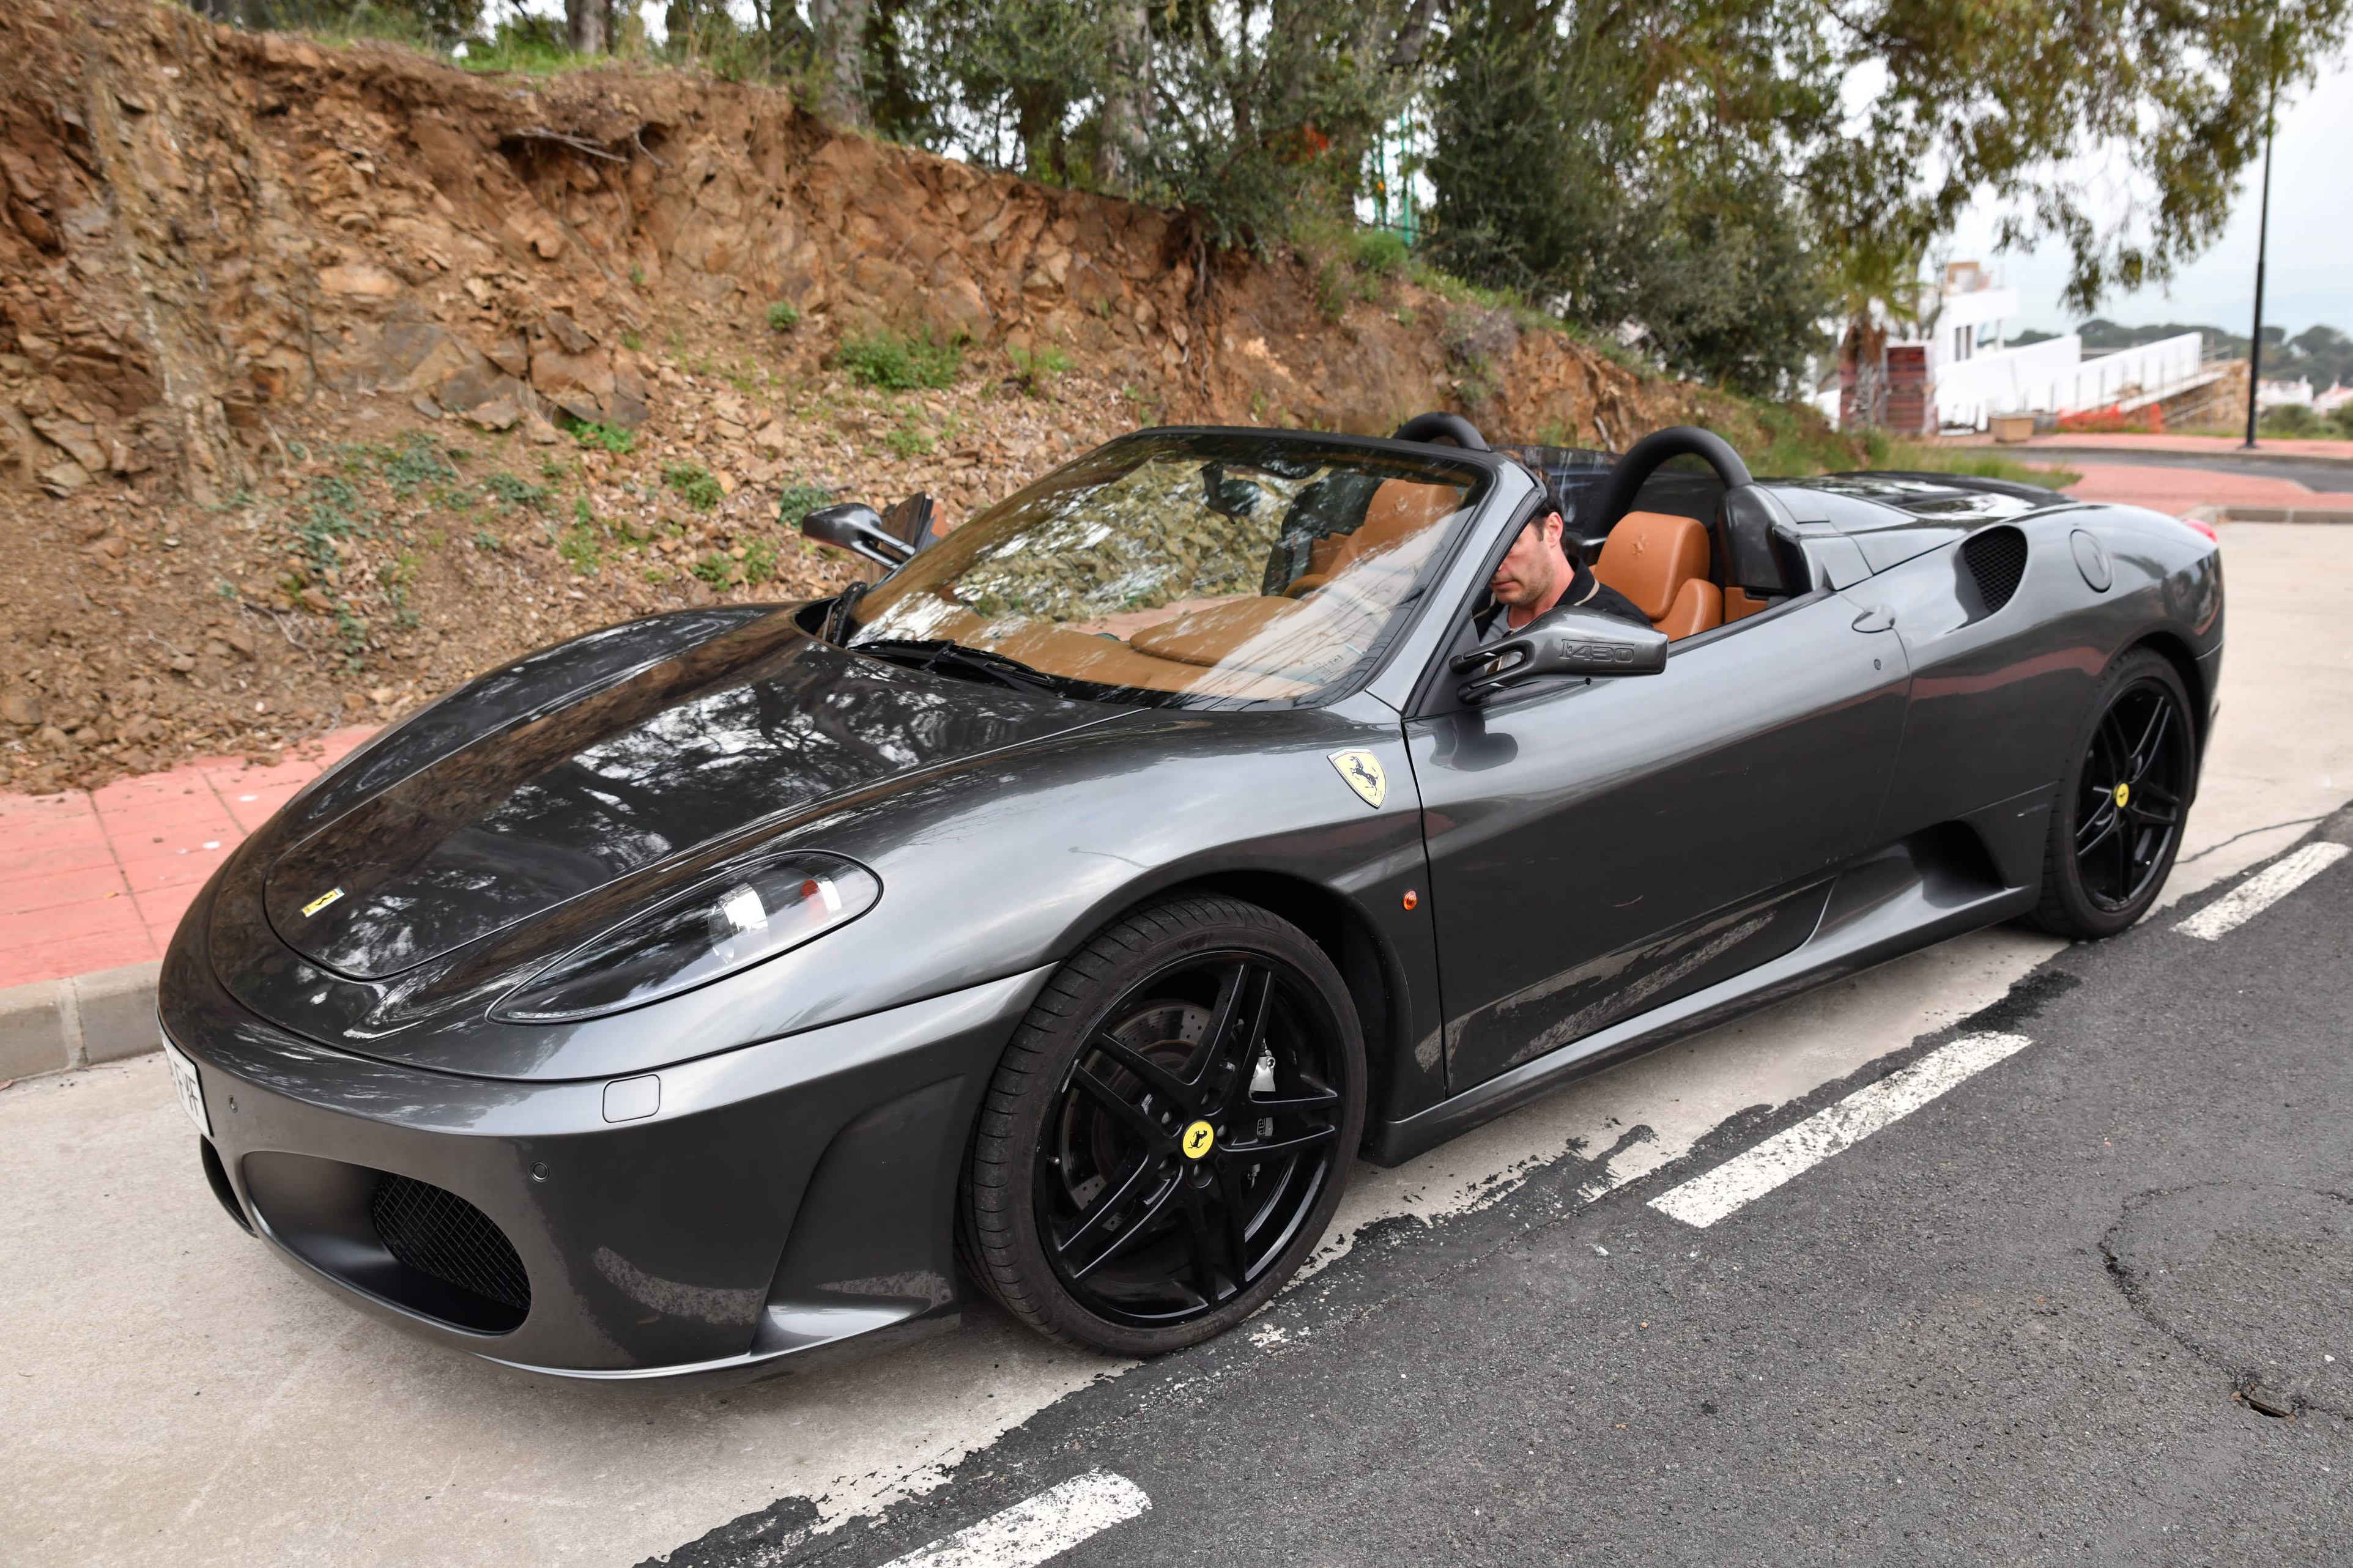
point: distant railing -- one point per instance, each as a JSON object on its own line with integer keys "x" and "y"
{"x": 2052, "y": 377}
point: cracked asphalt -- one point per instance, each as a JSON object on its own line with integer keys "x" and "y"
{"x": 2030, "y": 1323}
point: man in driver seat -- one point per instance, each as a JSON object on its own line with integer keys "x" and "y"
{"x": 1538, "y": 574}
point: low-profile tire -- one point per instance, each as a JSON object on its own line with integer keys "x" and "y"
{"x": 2107, "y": 858}
{"x": 1168, "y": 1133}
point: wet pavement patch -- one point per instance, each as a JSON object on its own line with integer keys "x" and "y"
{"x": 2256, "y": 1279}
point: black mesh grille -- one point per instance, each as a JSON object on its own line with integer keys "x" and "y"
{"x": 437, "y": 1232}
{"x": 1997, "y": 559}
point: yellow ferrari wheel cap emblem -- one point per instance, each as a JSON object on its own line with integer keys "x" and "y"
{"x": 1361, "y": 772}
{"x": 322, "y": 901}
{"x": 1198, "y": 1139}
{"x": 2124, "y": 793}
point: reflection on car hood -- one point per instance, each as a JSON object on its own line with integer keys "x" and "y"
{"x": 758, "y": 722}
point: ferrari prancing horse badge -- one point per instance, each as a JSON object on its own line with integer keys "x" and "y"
{"x": 1362, "y": 773}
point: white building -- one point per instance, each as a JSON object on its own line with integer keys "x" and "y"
{"x": 1974, "y": 373}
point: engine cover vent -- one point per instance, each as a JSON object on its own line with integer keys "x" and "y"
{"x": 1996, "y": 558}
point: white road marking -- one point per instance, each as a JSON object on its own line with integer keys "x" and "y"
{"x": 2260, "y": 891}
{"x": 1750, "y": 1174}
{"x": 1044, "y": 1526}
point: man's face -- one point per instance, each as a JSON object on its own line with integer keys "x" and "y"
{"x": 1534, "y": 566}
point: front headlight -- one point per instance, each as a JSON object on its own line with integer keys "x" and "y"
{"x": 725, "y": 924}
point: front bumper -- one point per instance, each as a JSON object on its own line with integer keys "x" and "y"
{"x": 784, "y": 1197}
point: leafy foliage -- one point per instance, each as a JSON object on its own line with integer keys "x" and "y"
{"x": 795, "y": 502}
{"x": 897, "y": 361}
{"x": 694, "y": 484}
{"x": 603, "y": 436}
{"x": 1035, "y": 371}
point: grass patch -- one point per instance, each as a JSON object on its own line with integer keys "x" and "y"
{"x": 1379, "y": 252}
{"x": 897, "y": 362}
{"x": 1035, "y": 371}
{"x": 797, "y": 501}
{"x": 1886, "y": 451}
{"x": 695, "y": 485}
{"x": 605, "y": 438}
{"x": 783, "y": 316}
{"x": 510, "y": 492}
{"x": 908, "y": 438}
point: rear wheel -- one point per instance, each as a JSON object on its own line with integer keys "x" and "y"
{"x": 1168, "y": 1133}
{"x": 2122, "y": 803}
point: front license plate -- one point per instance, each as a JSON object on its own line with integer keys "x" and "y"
{"x": 191, "y": 1089}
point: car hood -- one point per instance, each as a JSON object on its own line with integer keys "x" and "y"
{"x": 759, "y": 721}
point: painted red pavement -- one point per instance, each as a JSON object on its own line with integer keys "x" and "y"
{"x": 95, "y": 879}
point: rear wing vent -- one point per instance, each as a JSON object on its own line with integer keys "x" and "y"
{"x": 1996, "y": 559}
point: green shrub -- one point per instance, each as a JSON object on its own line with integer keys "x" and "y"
{"x": 782, "y": 316}
{"x": 908, "y": 438}
{"x": 695, "y": 484}
{"x": 718, "y": 568}
{"x": 605, "y": 438}
{"x": 1036, "y": 370}
{"x": 760, "y": 560}
{"x": 1379, "y": 250}
{"x": 2291, "y": 420}
{"x": 795, "y": 502}
{"x": 2342, "y": 417}
{"x": 512, "y": 491}
{"x": 898, "y": 362}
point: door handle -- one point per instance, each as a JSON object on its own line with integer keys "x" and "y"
{"x": 1878, "y": 619}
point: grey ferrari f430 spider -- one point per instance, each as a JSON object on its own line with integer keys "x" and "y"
{"x": 1061, "y": 914}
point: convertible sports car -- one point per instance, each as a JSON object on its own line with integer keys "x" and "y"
{"x": 1064, "y": 912}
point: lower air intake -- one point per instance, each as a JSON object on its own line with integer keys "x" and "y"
{"x": 1996, "y": 558}
{"x": 439, "y": 1234}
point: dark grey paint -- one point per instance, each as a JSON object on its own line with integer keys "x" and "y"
{"x": 1860, "y": 771}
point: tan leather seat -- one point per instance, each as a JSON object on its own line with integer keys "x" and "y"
{"x": 1739, "y": 604}
{"x": 1399, "y": 510}
{"x": 1661, "y": 563}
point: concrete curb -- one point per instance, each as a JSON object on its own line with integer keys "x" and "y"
{"x": 2237, "y": 513}
{"x": 53, "y": 1025}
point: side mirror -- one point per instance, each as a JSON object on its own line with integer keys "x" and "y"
{"x": 1562, "y": 641}
{"x": 855, "y": 526}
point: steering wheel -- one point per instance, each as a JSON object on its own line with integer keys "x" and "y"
{"x": 1443, "y": 426}
{"x": 1629, "y": 472}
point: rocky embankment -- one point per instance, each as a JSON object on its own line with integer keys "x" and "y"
{"x": 329, "y": 376}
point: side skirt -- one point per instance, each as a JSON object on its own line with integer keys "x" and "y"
{"x": 1908, "y": 896}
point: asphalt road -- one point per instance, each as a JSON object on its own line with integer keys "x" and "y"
{"x": 2314, "y": 473}
{"x": 1507, "y": 1353}
{"x": 2021, "y": 1324}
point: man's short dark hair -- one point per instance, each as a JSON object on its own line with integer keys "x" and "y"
{"x": 1549, "y": 500}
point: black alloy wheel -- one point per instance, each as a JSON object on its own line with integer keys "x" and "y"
{"x": 2122, "y": 804}
{"x": 1169, "y": 1132}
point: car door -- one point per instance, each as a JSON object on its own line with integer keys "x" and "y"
{"x": 1600, "y": 848}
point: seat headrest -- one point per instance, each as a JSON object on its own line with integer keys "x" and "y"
{"x": 1649, "y": 556}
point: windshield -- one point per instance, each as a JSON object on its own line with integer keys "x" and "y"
{"x": 1184, "y": 569}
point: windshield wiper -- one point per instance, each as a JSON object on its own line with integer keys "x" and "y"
{"x": 941, "y": 657}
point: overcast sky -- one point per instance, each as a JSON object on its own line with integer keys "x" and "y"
{"x": 2310, "y": 271}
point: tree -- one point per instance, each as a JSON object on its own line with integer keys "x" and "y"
{"x": 1575, "y": 162}
{"x": 2043, "y": 101}
{"x": 584, "y": 26}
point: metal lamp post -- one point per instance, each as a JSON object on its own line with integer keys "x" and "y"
{"x": 2262, "y": 242}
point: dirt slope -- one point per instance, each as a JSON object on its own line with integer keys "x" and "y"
{"x": 287, "y": 335}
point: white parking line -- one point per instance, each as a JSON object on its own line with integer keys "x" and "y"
{"x": 1750, "y": 1174}
{"x": 1029, "y": 1532}
{"x": 2260, "y": 891}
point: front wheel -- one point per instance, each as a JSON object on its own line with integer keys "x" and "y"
{"x": 2122, "y": 803}
{"x": 1168, "y": 1133}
